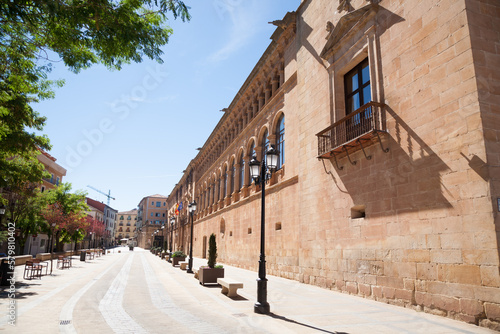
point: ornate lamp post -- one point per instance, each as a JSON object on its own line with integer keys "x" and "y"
{"x": 172, "y": 221}
{"x": 52, "y": 247}
{"x": 2, "y": 212}
{"x": 261, "y": 172}
{"x": 162, "y": 238}
{"x": 192, "y": 209}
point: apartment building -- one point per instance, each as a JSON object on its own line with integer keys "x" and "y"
{"x": 55, "y": 170}
{"x": 151, "y": 216}
{"x": 126, "y": 225}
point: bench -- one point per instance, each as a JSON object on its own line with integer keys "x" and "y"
{"x": 183, "y": 265}
{"x": 229, "y": 286}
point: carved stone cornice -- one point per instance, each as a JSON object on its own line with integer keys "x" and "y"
{"x": 345, "y": 25}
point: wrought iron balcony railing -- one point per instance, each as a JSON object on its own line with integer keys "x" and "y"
{"x": 363, "y": 124}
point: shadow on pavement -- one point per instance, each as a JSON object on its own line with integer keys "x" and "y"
{"x": 238, "y": 297}
{"x": 275, "y": 316}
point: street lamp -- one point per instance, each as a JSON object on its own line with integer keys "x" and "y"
{"x": 162, "y": 238}
{"x": 192, "y": 209}
{"x": 172, "y": 221}
{"x": 2, "y": 212}
{"x": 52, "y": 247}
{"x": 261, "y": 172}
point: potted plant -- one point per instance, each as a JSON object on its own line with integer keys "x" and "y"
{"x": 177, "y": 257}
{"x": 210, "y": 273}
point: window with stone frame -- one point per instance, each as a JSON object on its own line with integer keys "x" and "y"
{"x": 224, "y": 173}
{"x": 233, "y": 177}
{"x": 353, "y": 51}
{"x": 251, "y": 154}
{"x": 280, "y": 140}
{"x": 242, "y": 170}
{"x": 265, "y": 144}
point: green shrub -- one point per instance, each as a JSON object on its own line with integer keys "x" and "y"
{"x": 178, "y": 254}
{"x": 212, "y": 251}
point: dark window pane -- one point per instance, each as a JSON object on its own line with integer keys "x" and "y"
{"x": 365, "y": 74}
{"x": 367, "y": 94}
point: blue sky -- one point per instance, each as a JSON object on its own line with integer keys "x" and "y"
{"x": 134, "y": 131}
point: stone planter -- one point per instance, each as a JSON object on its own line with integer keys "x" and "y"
{"x": 209, "y": 275}
{"x": 177, "y": 259}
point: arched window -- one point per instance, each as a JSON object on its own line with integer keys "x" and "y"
{"x": 280, "y": 140}
{"x": 224, "y": 175}
{"x": 209, "y": 198}
{"x": 217, "y": 189}
{"x": 251, "y": 153}
{"x": 214, "y": 196}
{"x": 233, "y": 176}
{"x": 242, "y": 171}
{"x": 264, "y": 144}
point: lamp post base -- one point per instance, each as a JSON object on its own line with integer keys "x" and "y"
{"x": 261, "y": 308}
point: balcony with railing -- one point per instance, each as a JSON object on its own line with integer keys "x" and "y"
{"x": 352, "y": 131}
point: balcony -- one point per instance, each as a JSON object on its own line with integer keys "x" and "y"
{"x": 349, "y": 132}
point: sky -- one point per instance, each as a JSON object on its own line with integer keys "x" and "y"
{"x": 133, "y": 132}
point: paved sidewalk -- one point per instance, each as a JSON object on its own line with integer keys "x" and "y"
{"x": 137, "y": 292}
{"x": 303, "y": 308}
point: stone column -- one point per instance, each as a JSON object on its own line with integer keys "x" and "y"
{"x": 267, "y": 95}
{"x": 274, "y": 85}
{"x": 261, "y": 101}
{"x": 255, "y": 107}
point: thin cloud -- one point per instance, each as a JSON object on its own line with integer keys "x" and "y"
{"x": 245, "y": 19}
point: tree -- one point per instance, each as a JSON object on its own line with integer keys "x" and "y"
{"x": 65, "y": 214}
{"x": 96, "y": 228}
{"x": 77, "y": 32}
{"x": 19, "y": 192}
{"x": 212, "y": 251}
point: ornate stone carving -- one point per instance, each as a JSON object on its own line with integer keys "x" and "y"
{"x": 344, "y": 5}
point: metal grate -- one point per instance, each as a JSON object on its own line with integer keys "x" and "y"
{"x": 65, "y": 322}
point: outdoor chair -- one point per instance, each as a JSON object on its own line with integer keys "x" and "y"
{"x": 32, "y": 270}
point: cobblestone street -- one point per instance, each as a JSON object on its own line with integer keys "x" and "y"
{"x": 136, "y": 292}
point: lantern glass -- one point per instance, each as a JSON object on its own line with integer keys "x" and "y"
{"x": 193, "y": 205}
{"x": 190, "y": 207}
{"x": 272, "y": 158}
{"x": 254, "y": 168}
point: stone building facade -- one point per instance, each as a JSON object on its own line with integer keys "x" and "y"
{"x": 55, "y": 170}
{"x": 126, "y": 225}
{"x": 387, "y": 117}
{"x": 151, "y": 215}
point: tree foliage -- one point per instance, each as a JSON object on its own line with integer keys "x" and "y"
{"x": 20, "y": 189}
{"x": 65, "y": 214}
{"x": 80, "y": 33}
